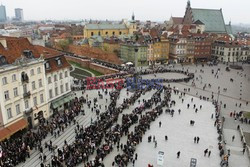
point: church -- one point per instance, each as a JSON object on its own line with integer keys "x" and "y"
{"x": 212, "y": 19}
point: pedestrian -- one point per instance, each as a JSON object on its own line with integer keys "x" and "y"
{"x": 198, "y": 139}
{"x": 178, "y": 154}
{"x": 155, "y": 144}
{"x": 136, "y": 155}
{"x": 243, "y": 151}
{"x": 205, "y": 152}
{"x": 233, "y": 137}
{"x": 209, "y": 153}
{"x": 160, "y": 124}
{"x": 166, "y": 138}
{"x": 228, "y": 152}
{"x": 194, "y": 139}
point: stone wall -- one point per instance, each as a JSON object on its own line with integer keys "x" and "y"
{"x": 88, "y": 64}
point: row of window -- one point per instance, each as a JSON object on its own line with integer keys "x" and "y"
{"x": 25, "y": 90}
{"x": 14, "y": 77}
{"x": 106, "y": 33}
{"x": 57, "y": 91}
{"x": 26, "y": 105}
{"x": 60, "y": 77}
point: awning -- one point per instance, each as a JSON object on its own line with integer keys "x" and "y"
{"x": 61, "y": 100}
{"x": 12, "y": 129}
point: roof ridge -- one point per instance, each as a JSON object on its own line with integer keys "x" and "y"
{"x": 205, "y": 9}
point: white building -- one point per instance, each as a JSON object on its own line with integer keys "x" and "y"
{"x": 33, "y": 79}
{"x": 228, "y": 51}
{"x": 58, "y": 82}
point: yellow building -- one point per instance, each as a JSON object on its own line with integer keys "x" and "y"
{"x": 109, "y": 29}
{"x": 160, "y": 48}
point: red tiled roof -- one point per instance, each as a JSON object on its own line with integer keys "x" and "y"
{"x": 177, "y": 20}
{"x": 53, "y": 64}
{"x": 16, "y": 46}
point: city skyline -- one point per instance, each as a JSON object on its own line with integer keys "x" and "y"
{"x": 158, "y": 10}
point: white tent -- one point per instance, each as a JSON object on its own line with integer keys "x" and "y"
{"x": 129, "y": 63}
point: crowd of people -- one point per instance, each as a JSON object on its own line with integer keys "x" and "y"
{"x": 104, "y": 134}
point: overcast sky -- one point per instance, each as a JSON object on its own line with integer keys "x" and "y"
{"x": 156, "y": 10}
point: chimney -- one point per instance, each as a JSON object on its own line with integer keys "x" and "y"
{"x": 3, "y": 42}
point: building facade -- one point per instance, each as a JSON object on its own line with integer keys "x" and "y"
{"x": 24, "y": 76}
{"x": 109, "y": 29}
{"x": 226, "y": 51}
{"x": 19, "y": 14}
{"x": 130, "y": 50}
{"x": 3, "y": 17}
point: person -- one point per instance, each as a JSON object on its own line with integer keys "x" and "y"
{"x": 166, "y": 138}
{"x": 243, "y": 151}
{"x": 233, "y": 137}
{"x": 178, "y": 154}
{"x": 209, "y": 153}
{"x": 136, "y": 155}
{"x": 160, "y": 124}
{"x": 194, "y": 139}
{"x": 205, "y": 152}
{"x": 155, "y": 144}
{"x": 198, "y": 139}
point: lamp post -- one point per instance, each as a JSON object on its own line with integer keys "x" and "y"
{"x": 136, "y": 65}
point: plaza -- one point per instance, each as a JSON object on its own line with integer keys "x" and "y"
{"x": 177, "y": 128}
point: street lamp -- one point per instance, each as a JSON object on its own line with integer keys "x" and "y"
{"x": 136, "y": 65}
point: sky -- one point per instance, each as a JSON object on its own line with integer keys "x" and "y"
{"x": 155, "y": 10}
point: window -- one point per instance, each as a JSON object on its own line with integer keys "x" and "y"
{"x": 56, "y": 91}
{"x": 13, "y": 77}
{"x": 26, "y": 104}
{"x": 15, "y": 92}
{"x": 92, "y": 33}
{"x": 99, "y": 33}
{"x": 66, "y": 74}
{"x": 61, "y": 75}
{"x": 18, "y": 109}
{"x": 6, "y": 95}
{"x": 59, "y": 62}
{"x": 38, "y": 70}
{"x": 49, "y": 80}
{"x": 67, "y": 86}
{"x": 47, "y": 66}
{"x": 35, "y": 101}
{"x": 41, "y": 98}
{"x": 55, "y": 77}
{"x": 113, "y": 33}
{"x": 4, "y": 80}
{"x": 50, "y": 94}
{"x": 32, "y": 72}
{"x": 120, "y": 33}
{"x": 40, "y": 83}
{"x": 33, "y": 85}
{"x": 25, "y": 88}
{"x": 9, "y": 113}
{"x": 61, "y": 87}
{"x": 106, "y": 33}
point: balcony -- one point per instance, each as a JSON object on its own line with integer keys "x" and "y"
{"x": 28, "y": 111}
{"x": 25, "y": 78}
{"x": 26, "y": 95}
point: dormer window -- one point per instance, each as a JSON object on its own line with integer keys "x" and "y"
{"x": 58, "y": 61}
{"x": 2, "y": 60}
{"x": 28, "y": 54}
{"x": 47, "y": 65}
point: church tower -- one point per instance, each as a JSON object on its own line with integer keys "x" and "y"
{"x": 132, "y": 25}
